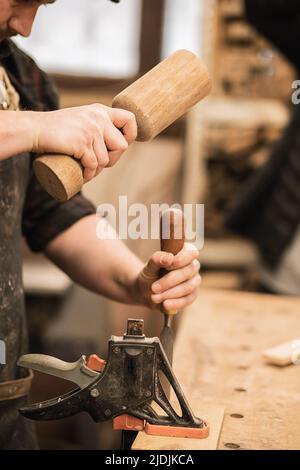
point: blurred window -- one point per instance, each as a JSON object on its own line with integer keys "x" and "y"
{"x": 182, "y": 20}
{"x": 101, "y": 38}
{"x": 94, "y": 37}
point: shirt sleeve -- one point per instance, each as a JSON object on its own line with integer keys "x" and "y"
{"x": 44, "y": 218}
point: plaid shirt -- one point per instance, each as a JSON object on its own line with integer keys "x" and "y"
{"x": 43, "y": 217}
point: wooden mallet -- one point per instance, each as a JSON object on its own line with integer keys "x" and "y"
{"x": 157, "y": 99}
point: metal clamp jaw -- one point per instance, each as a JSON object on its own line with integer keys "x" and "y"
{"x": 125, "y": 387}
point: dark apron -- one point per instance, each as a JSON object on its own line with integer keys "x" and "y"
{"x": 15, "y": 432}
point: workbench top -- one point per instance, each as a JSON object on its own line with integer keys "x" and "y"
{"x": 218, "y": 361}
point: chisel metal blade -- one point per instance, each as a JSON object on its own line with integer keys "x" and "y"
{"x": 167, "y": 341}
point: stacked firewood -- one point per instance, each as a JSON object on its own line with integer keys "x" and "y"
{"x": 245, "y": 64}
{"x": 238, "y": 136}
{"x": 248, "y": 110}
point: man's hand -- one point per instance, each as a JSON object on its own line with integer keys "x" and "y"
{"x": 109, "y": 268}
{"x": 96, "y": 135}
{"x": 178, "y": 287}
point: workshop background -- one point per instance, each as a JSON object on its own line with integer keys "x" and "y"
{"x": 205, "y": 157}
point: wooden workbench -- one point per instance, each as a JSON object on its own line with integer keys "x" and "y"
{"x": 218, "y": 361}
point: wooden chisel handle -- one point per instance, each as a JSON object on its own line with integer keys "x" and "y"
{"x": 157, "y": 99}
{"x": 172, "y": 236}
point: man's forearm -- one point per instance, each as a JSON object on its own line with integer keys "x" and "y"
{"x": 15, "y": 133}
{"x": 106, "y": 267}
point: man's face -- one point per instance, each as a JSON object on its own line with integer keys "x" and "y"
{"x": 17, "y": 16}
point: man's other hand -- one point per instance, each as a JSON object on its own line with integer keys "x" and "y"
{"x": 97, "y": 135}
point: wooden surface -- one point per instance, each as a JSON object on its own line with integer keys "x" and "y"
{"x": 218, "y": 360}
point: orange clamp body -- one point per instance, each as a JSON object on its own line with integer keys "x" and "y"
{"x": 128, "y": 423}
{"x": 95, "y": 362}
{"x": 173, "y": 431}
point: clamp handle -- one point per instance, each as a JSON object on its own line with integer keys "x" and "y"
{"x": 76, "y": 372}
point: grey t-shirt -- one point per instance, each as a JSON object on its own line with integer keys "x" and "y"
{"x": 286, "y": 278}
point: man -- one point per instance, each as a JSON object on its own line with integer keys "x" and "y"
{"x": 66, "y": 233}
